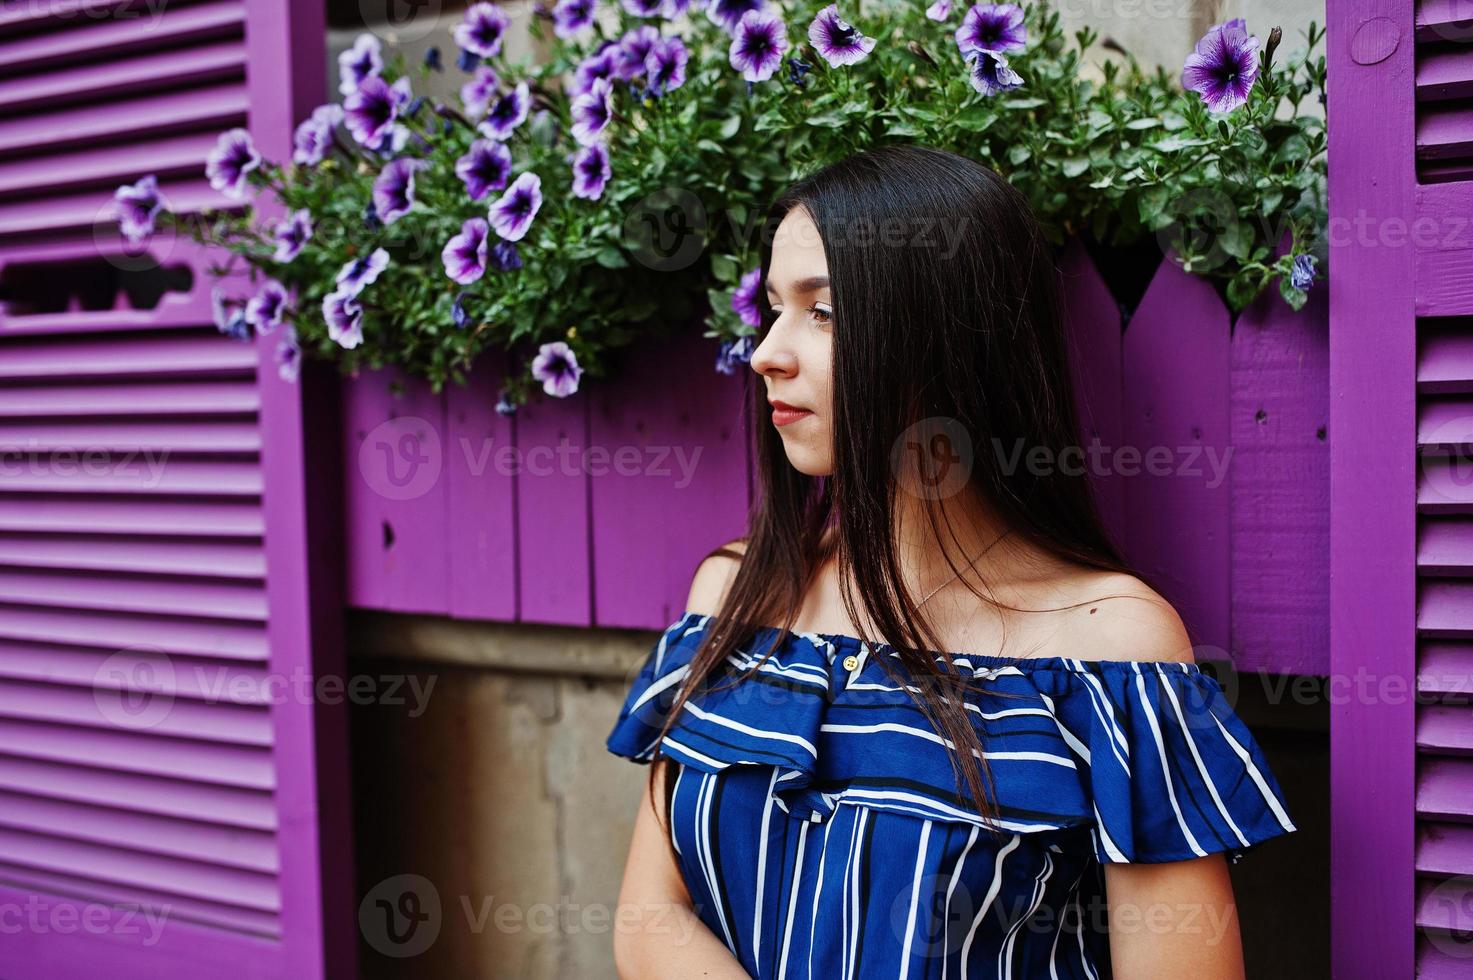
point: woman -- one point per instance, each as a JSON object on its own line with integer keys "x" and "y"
{"x": 826, "y": 804}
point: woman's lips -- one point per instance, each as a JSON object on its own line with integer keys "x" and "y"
{"x": 782, "y": 415}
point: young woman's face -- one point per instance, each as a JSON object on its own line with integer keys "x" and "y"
{"x": 795, "y": 357}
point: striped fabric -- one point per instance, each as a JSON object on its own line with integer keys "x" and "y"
{"x": 820, "y": 833}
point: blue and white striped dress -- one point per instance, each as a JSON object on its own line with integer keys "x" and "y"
{"x": 816, "y": 817}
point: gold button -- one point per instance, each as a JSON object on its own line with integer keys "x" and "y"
{"x": 850, "y": 662}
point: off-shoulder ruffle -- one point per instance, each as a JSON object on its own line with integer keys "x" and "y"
{"x": 1147, "y": 758}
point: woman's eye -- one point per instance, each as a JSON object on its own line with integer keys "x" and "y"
{"x": 824, "y": 315}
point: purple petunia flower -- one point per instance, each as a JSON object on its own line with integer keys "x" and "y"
{"x": 598, "y": 65}
{"x": 592, "y": 111}
{"x": 363, "y": 60}
{"x": 291, "y": 234}
{"x": 231, "y": 161}
{"x": 485, "y": 167}
{"x": 996, "y": 27}
{"x": 513, "y": 212}
{"x": 477, "y": 93}
{"x": 940, "y": 10}
{"x": 732, "y": 353}
{"x": 507, "y": 113}
{"x": 313, "y": 137}
{"x": 230, "y": 317}
{"x": 505, "y": 257}
{"x": 288, "y": 355}
{"x": 591, "y": 171}
{"x": 482, "y": 30}
{"x": 557, "y": 368}
{"x": 644, "y": 8}
{"x": 571, "y": 16}
{"x": 664, "y": 69}
{"x": 267, "y": 307}
{"x": 505, "y": 406}
{"x": 138, "y": 205}
{"x": 373, "y": 110}
{"x": 393, "y": 191}
{"x": 836, "y": 40}
{"x": 362, "y": 271}
{"x": 1223, "y": 67}
{"x": 458, "y": 314}
{"x": 744, "y": 298}
{"x": 344, "y": 316}
{"x": 757, "y": 46}
{"x": 729, "y": 13}
{"x": 465, "y": 254}
{"x": 989, "y": 73}
{"x": 1303, "y": 272}
{"x": 633, "y": 50}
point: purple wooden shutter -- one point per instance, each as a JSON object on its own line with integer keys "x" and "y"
{"x": 1401, "y": 429}
{"x": 160, "y": 615}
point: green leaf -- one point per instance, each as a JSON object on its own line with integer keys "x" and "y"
{"x": 1074, "y": 166}
{"x": 611, "y": 258}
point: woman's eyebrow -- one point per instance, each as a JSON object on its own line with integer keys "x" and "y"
{"x": 809, "y": 285}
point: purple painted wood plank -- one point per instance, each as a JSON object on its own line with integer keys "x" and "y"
{"x": 1445, "y": 546}
{"x": 1373, "y": 512}
{"x": 1445, "y": 790}
{"x": 1176, "y": 425}
{"x": 480, "y": 474}
{"x": 1444, "y": 249}
{"x": 83, "y": 210}
{"x": 1094, "y": 326}
{"x": 111, "y": 631}
{"x": 244, "y": 808}
{"x": 304, "y": 556}
{"x": 1445, "y": 608}
{"x": 184, "y": 949}
{"x": 86, "y": 38}
{"x": 554, "y": 567}
{"x": 395, "y": 500}
{"x": 1280, "y": 478}
{"x": 1447, "y": 729}
{"x": 164, "y": 157}
{"x": 1444, "y": 75}
{"x": 1444, "y": 848}
{"x": 1444, "y": 359}
{"x": 1444, "y": 132}
{"x": 1445, "y": 668}
{"x": 217, "y": 106}
{"x": 208, "y": 63}
{"x": 671, "y": 427}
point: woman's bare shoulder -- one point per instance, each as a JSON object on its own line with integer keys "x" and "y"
{"x": 1120, "y": 617}
{"x": 713, "y": 577}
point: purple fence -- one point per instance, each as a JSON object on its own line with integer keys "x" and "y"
{"x": 456, "y": 511}
{"x": 162, "y": 810}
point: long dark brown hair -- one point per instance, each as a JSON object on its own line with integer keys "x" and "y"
{"x": 946, "y": 305}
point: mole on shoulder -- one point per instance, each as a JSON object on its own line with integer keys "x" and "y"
{"x": 1092, "y": 610}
